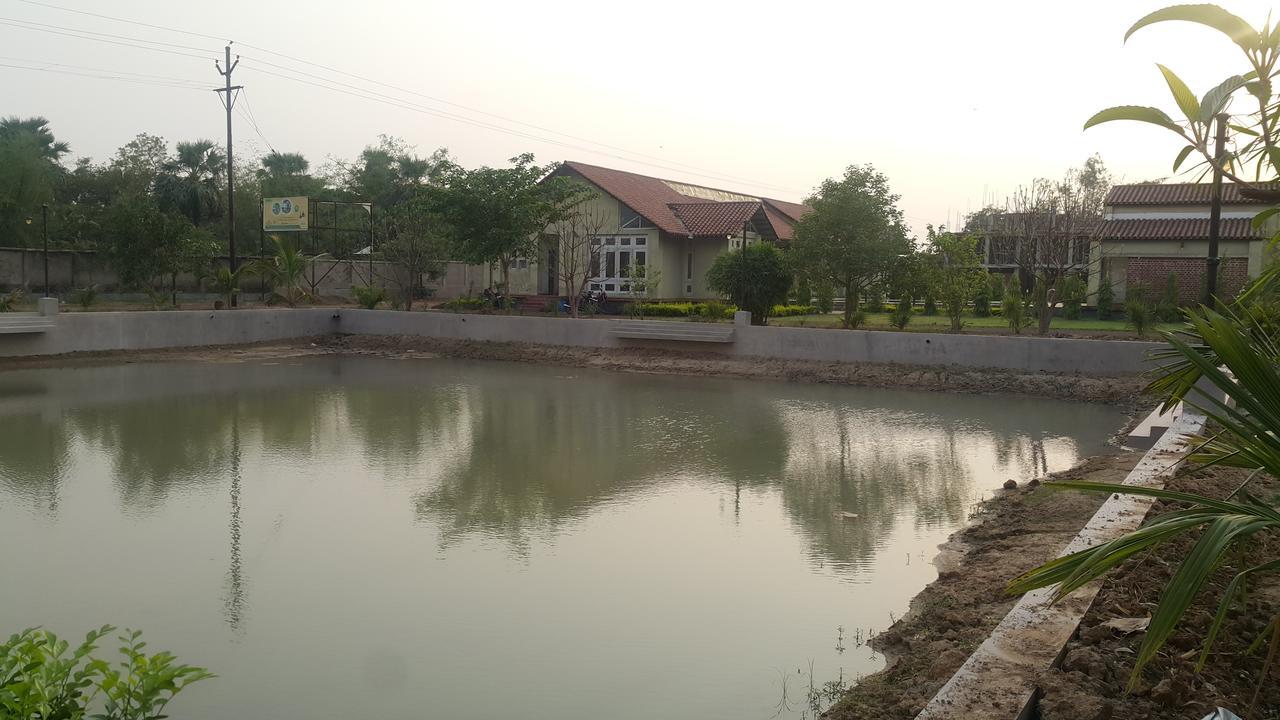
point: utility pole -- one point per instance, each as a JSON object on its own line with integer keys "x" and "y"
{"x": 44, "y": 225}
{"x": 229, "y": 101}
{"x": 1215, "y": 213}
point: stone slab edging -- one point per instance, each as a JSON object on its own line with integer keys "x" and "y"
{"x": 998, "y": 681}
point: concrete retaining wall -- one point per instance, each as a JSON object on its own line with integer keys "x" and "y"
{"x": 99, "y": 331}
{"x": 1023, "y": 354}
{"x": 78, "y": 332}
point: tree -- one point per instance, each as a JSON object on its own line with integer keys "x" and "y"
{"x": 191, "y": 181}
{"x": 641, "y": 281}
{"x": 958, "y": 274}
{"x": 418, "y": 245}
{"x": 285, "y": 269}
{"x": 853, "y": 235}
{"x": 577, "y": 259}
{"x": 1045, "y": 229}
{"x": 146, "y": 243}
{"x": 287, "y": 175}
{"x": 29, "y": 171}
{"x": 754, "y": 278}
{"x": 139, "y": 162}
{"x": 497, "y": 215}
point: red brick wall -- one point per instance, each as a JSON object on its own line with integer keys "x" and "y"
{"x": 1153, "y": 274}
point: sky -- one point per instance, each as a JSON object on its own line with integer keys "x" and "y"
{"x": 958, "y": 103}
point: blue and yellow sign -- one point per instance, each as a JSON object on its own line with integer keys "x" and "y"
{"x": 286, "y": 213}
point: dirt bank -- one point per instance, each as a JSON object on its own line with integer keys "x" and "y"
{"x": 1090, "y": 683}
{"x": 1123, "y": 390}
{"x": 1014, "y": 532}
{"x": 1022, "y": 529}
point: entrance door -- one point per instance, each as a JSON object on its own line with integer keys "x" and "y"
{"x": 553, "y": 271}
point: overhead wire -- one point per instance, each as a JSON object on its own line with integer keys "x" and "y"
{"x": 100, "y": 76}
{"x": 662, "y": 163}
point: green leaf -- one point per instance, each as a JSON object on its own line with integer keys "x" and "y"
{"x": 1242, "y": 129}
{"x": 1152, "y": 115}
{"x": 1182, "y": 156}
{"x": 1182, "y": 94}
{"x": 1216, "y": 99}
{"x": 1240, "y": 32}
{"x": 1261, "y": 218}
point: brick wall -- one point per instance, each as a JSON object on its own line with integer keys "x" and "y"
{"x": 1153, "y": 274}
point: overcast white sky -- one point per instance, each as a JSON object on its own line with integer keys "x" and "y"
{"x": 954, "y": 101}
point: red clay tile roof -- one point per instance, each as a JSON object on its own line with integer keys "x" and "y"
{"x": 656, "y": 200}
{"x": 1177, "y": 229}
{"x": 715, "y": 218}
{"x": 1175, "y": 194}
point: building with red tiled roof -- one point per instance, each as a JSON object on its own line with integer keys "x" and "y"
{"x": 674, "y": 229}
{"x": 1150, "y": 231}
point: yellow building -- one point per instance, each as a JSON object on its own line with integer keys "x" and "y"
{"x": 674, "y": 227}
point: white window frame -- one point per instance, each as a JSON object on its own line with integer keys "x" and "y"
{"x": 610, "y": 248}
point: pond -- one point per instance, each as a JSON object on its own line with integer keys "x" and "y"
{"x": 342, "y": 537}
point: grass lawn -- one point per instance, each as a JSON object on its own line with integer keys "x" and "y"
{"x": 941, "y": 323}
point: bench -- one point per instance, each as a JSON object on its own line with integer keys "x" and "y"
{"x": 24, "y": 322}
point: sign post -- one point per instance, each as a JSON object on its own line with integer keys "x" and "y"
{"x": 284, "y": 214}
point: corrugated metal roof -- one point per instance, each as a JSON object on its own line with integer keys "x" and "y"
{"x": 1177, "y": 229}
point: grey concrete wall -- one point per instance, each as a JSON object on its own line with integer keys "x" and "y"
{"x": 99, "y": 331}
{"x": 77, "y": 332}
{"x": 1020, "y": 353}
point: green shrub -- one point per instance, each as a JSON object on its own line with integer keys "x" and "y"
{"x": 754, "y": 278}
{"x": 792, "y": 310}
{"x": 825, "y": 297}
{"x": 85, "y": 297}
{"x": 982, "y": 299}
{"x": 662, "y": 309}
{"x": 1073, "y": 295}
{"x": 1012, "y": 306}
{"x": 369, "y": 296}
{"x": 804, "y": 290}
{"x": 902, "y": 314}
{"x": 1138, "y": 313}
{"x": 856, "y": 319}
{"x": 41, "y": 676}
{"x": 1106, "y": 301}
{"x": 713, "y": 310}
{"x": 1167, "y": 309}
{"x": 930, "y": 304}
{"x": 874, "y": 300}
{"x": 462, "y": 303}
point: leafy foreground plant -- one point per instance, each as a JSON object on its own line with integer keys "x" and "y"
{"x": 43, "y": 678}
{"x": 1248, "y": 421}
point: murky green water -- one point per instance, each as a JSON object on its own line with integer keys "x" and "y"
{"x": 358, "y": 537}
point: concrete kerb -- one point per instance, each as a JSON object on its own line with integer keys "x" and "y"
{"x": 106, "y": 331}
{"x": 998, "y": 681}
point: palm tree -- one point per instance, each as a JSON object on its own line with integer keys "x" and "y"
{"x": 227, "y": 283}
{"x": 279, "y": 164}
{"x": 37, "y": 129}
{"x": 192, "y": 180}
{"x": 1237, "y": 351}
{"x": 285, "y": 269}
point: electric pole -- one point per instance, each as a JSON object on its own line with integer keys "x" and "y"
{"x": 229, "y": 101}
{"x": 1215, "y": 213}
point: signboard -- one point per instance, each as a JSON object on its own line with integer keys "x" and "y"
{"x": 285, "y": 213}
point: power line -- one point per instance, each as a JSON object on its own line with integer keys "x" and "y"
{"x": 131, "y": 22}
{"x": 147, "y": 76}
{"x": 103, "y": 40}
{"x": 253, "y": 120}
{"x": 98, "y": 76}
{"x": 669, "y": 165}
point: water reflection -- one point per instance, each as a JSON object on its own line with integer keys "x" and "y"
{"x": 395, "y": 509}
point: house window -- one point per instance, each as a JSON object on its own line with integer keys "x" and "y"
{"x": 689, "y": 272}
{"x": 642, "y": 241}
{"x": 609, "y": 266}
{"x": 640, "y": 257}
{"x": 633, "y": 220}
{"x": 624, "y": 264}
{"x": 624, "y": 241}
{"x": 609, "y": 240}
{"x": 594, "y": 261}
